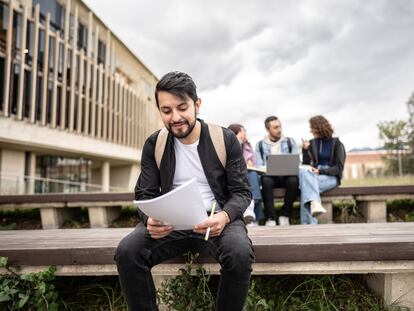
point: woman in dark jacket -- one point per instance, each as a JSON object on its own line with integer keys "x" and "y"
{"x": 323, "y": 159}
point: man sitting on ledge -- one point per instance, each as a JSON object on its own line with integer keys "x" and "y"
{"x": 189, "y": 152}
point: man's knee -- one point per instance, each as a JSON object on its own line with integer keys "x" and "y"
{"x": 130, "y": 250}
{"x": 267, "y": 182}
{"x": 237, "y": 254}
{"x": 292, "y": 182}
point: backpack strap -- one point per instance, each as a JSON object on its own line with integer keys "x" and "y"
{"x": 261, "y": 150}
{"x": 216, "y": 134}
{"x": 160, "y": 145}
{"x": 289, "y": 142}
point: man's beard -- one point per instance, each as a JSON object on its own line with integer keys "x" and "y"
{"x": 185, "y": 133}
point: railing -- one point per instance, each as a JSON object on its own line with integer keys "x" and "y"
{"x": 23, "y": 184}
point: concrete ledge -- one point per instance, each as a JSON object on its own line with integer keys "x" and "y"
{"x": 340, "y": 267}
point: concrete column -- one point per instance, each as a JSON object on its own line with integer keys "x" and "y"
{"x": 53, "y": 218}
{"x": 328, "y": 216}
{"x": 101, "y": 217}
{"x": 396, "y": 289}
{"x": 373, "y": 211}
{"x": 105, "y": 176}
{"x": 32, "y": 173}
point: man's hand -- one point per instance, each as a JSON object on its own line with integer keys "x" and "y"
{"x": 216, "y": 224}
{"x": 314, "y": 170}
{"x": 157, "y": 229}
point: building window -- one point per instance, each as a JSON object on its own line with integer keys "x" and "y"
{"x": 57, "y": 13}
{"x": 101, "y": 52}
{"x": 17, "y": 31}
{"x": 41, "y": 49}
{"x": 2, "y": 80}
{"x": 82, "y": 37}
{"x": 14, "y": 88}
{"x": 29, "y": 43}
{"x": 27, "y": 92}
{"x": 4, "y": 20}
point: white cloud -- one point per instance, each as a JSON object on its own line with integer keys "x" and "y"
{"x": 350, "y": 61}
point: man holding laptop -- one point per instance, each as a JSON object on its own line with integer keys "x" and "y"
{"x": 280, "y": 156}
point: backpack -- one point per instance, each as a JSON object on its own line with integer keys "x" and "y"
{"x": 216, "y": 134}
{"x": 261, "y": 147}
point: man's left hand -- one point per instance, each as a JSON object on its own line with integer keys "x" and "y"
{"x": 216, "y": 224}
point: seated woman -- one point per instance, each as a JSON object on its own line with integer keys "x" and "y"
{"x": 323, "y": 159}
{"x": 254, "y": 180}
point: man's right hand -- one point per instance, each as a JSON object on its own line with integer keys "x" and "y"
{"x": 157, "y": 229}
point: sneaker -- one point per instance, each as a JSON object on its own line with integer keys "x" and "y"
{"x": 270, "y": 222}
{"x": 249, "y": 215}
{"x": 317, "y": 208}
{"x": 283, "y": 221}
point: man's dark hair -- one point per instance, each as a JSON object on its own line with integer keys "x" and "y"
{"x": 177, "y": 83}
{"x": 270, "y": 119}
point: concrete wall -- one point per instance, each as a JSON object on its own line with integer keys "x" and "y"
{"x": 125, "y": 176}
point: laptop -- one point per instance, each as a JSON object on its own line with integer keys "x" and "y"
{"x": 282, "y": 165}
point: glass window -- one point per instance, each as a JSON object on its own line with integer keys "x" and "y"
{"x": 39, "y": 97}
{"x": 27, "y": 88}
{"x": 101, "y": 52}
{"x": 82, "y": 37}
{"x": 2, "y": 82}
{"x": 41, "y": 49}
{"x": 29, "y": 43}
{"x": 14, "y": 88}
{"x": 57, "y": 13}
{"x": 60, "y": 62}
{"x": 17, "y": 31}
{"x": 4, "y": 20}
{"x": 51, "y": 54}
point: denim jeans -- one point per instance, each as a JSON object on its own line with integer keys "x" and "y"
{"x": 254, "y": 182}
{"x": 311, "y": 185}
{"x": 137, "y": 253}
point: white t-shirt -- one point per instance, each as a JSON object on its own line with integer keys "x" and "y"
{"x": 187, "y": 166}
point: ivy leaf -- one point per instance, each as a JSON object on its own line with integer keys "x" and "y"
{"x": 23, "y": 300}
{"x": 4, "y": 296}
{"x": 3, "y": 262}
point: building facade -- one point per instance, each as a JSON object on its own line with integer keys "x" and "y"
{"x": 75, "y": 103}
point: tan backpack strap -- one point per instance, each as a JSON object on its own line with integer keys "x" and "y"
{"x": 217, "y": 136}
{"x": 160, "y": 146}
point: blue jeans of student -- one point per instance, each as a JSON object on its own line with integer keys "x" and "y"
{"x": 254, "y": 182}
{"x": 137, "y": 253}
{"x": 311, "y": 185}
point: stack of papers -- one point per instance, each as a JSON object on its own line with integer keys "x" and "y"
{"x": 182, "y": 207}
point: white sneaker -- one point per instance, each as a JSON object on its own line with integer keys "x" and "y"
{"x": 283, "y": 221}
{"x": 317, "y": 208}
{"x": 249, "y": 215}
{"x": 270, "y": 223}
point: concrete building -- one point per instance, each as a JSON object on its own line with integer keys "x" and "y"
{"x": 360, "y": 164}
{"x": 75, "y": 103}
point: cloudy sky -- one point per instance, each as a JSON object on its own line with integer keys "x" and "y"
{"x": 351, "y": 61}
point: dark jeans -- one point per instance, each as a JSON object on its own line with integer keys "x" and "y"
{"x": 290, "y": 183}
{"x": 137, "y": 253}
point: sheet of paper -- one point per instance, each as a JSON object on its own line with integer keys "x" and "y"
{"x": 260, "y": 170}
{"x": 182, "y": 207}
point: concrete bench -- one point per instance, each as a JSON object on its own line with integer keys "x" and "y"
{"x": 371, "y": 200}
{"x": 382, "y": 251}
{"x": 103, "y": 207}
{"x": 106, "y": 206}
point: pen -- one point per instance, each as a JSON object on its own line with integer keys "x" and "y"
{"x": 211, "y": 217}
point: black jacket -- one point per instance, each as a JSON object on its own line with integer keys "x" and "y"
{"x": 229, "y": 185}
{"x": 337, "y": 160}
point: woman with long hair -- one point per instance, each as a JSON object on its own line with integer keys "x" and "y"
{"x": 323, "y": 164}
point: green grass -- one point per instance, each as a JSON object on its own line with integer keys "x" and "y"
{"x": 266, "y": 293}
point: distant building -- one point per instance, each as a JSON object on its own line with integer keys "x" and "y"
{"x": 360, "y": 164}
{"x": 75, "y": 103}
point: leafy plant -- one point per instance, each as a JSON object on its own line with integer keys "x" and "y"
{"x": 27, "y": 291}
{"x": 190, "y": 290}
